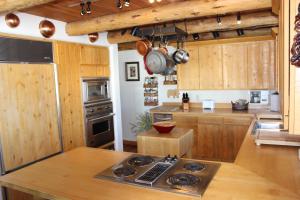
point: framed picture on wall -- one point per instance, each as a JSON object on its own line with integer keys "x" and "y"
{"x": 132, "y": 70}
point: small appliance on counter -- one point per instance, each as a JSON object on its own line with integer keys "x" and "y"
{"x": 208, "y": 104}
{"x": 168, "y": 174}
{"x": 275, "y": 102}
{"x": 259, "y": 97}
{"x": 185, "y": 102}
{"x": 240, "y": 105}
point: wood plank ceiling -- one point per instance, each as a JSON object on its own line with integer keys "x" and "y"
{"x": 69, "y": 10}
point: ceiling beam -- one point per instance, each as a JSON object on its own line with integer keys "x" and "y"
{"x": 165, "y": 13}
{"x": 209, "y": 37}
{"x": 7, "y": 6}
{"x": 251, "y": 20}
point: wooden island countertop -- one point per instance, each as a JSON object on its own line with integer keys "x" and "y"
{"x": 258, "y": 173}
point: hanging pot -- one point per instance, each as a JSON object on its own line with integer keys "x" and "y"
{"x": 156, "y": 61}
{"x": 181, "y": 56}
{"x": 12, "y": 20}
{"x": 93, "y": 37}
{"x": 143, "y": 47}
{"x": 47, "y": 28}
{"x": 146, "y": 67}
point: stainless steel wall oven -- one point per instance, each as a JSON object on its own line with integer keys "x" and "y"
{"x": 98, "y": 110}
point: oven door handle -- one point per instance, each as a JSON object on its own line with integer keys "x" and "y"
{"x": 104, "y": 117}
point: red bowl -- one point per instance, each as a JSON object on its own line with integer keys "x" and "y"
{"x": 164, "y": 127}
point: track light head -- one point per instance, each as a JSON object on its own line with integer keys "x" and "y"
{"x": 216, "y": 34}
{"x": 88, "y": 9}
{"x": 238, "y": 19}
{"x": 196, "y": 36}
{"x": 219, "y": 20}
{"x": 127, "y": 3}
{"x": 83, "y": 11}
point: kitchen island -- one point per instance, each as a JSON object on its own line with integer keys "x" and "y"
{"x": 258, "y": 173}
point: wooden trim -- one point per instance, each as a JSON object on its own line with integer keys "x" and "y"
{"x": 130, "y": 143}
{"x": 232, "y": 40}
{"x": 14, "y": 5}
{"x": 107, "y": 145}
{"x": 164, "y": 13}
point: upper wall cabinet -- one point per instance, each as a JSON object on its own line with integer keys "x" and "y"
{"x": 235, "y": 66}
{"x": 94, "y": 55}
{"x": 90, "y": 55}
{"x": 239, "y": 65}
{"x": 211, "y": 71}
{"x": 261, "y": 65}
{"x": 188, "y": 74}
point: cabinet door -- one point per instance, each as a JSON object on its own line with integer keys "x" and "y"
{"x": 235, "y": 66}
{"x": 68, "y": 57}
{"x": 261, "y": 65}
{"x": 188, "y": 74}
{"x": 104, "y": 56}
{"x": 235, "y": 129}
{"x": 211, "y": 69}
{"x": 29, "y": 128}
{"x": 90, "y": 55}
{"x": 209, "y": 138}
{"x": 103, "y": 71}
{"x": 88, "y": 71}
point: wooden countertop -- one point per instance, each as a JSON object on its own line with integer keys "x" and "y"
{"x": 175, "y": 133}
{"x": 217, "y": 111}
{"x": 71, "y": 176}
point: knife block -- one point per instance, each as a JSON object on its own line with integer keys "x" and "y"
{"x": 186, "y": 106}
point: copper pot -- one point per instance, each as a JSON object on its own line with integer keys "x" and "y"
{"x": 93, "y": 37}
{"x": 143, "y": 47}
{"x": 47, "y": 28}
{"x": 12, "y": 20}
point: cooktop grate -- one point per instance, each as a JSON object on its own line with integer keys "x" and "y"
{"x": 150, "y": 176}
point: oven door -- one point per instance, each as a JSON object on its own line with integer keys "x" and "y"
{"x": 100, "y": 130}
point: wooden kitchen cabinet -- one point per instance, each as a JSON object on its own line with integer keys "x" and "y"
{"x": 229, "y": 65}
{"x": 211, "y": 70}
{"x": 90, "y": 55}
{"x": 188, "y": 122}
{"x": 261, "y": 65}
{"x": 188, "y": 74}
{"x": 220, "y": 138}
{"x": 94, "y": 61}
{"x": 209, "y": 138}
{"x": 67, "y": 57}
{"x": 235, "y": 66}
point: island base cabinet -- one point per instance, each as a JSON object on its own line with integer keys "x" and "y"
{"x": 18, "y": 195}
{"x": 189, "y": 122}
{"x": 220, "y": 138}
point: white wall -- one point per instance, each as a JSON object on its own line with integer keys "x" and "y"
{"x": 132, "y": 93}
{"x": 29, "y": 26}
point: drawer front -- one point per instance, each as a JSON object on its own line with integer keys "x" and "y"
{"x": 210, "y": 120}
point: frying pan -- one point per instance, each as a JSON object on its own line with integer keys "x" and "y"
{"x": 143, "y": 46}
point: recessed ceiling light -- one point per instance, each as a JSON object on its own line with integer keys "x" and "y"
{"x": 151, "y": 1}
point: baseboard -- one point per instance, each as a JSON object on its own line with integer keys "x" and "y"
{"x": 130, "y": 143}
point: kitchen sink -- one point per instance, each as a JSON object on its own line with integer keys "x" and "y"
{"x": 268, "y": 126}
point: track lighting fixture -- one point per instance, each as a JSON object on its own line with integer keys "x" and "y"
{"x": 153, "y": 1}
{"x": 196, "y": 36}
{"x": 219, "y": 20}
{"x": 119, "y": 4}
{"x": 240, "y": 32}
{"x": 87, "y": 9}
{"x": 83, "y": 11}
{"x": 127, "y": 3}
{"x": 216, "y": 34}
{"x": 238, "y": 19}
